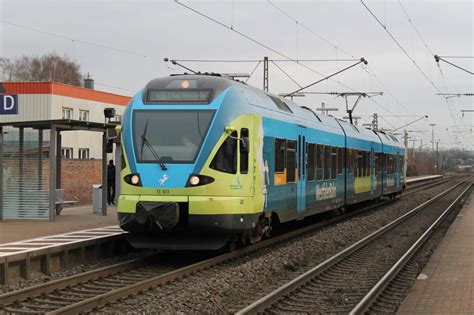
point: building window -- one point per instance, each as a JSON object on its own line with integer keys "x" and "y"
{"x": 67, "y": 113}
{"x": 66, "y": 153}
{"x": 84, "y": 154}
{"x": 84, "y": 115}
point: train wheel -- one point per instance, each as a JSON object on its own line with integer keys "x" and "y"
{"x": 263, "y": 229}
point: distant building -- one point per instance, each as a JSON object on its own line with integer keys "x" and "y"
{"x": 31, "y": 101}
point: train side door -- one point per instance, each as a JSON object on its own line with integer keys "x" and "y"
{"x": 301, "y": 184}
{"x": 372, "y": 171}
{"x": 397, "y": 171}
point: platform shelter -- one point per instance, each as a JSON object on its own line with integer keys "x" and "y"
{"x": 30, "y": 176}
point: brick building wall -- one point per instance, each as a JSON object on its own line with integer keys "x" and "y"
{"x": 77, "y": 176}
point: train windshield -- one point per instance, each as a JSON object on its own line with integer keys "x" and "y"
{"x": 172, "y": 136}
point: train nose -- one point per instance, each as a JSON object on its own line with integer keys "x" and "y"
{"x": 164, "y": 215}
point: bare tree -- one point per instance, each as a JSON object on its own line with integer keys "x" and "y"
{"x": 50, "y": 67}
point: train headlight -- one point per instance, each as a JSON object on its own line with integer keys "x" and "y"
{"x": 134, "y": 179}
{"x": 194, "y": 180}
{"x": 198, "y": 180}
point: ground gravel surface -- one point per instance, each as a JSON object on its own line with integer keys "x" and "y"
{"x": 391, "y": 299}
{"x": 73, "y": 271}
{"x": 231, "y": 286}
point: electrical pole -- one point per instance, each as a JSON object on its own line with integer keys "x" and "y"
{"x": 437, "y": 160}
{"x": 325, "y": 110}
{"x": 463, "y": 111}
{"x": 355, "y": 118}
{"x": 413, "y": 150}
{"x": 405, "y": 138}
{"x": 265, "y": 74}
{"x": 432, "y": 136}
{"x": 375, "y": 122}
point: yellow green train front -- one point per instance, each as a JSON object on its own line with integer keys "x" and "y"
{"x": 206, "y": 157}
{"x": 183, "y": 171}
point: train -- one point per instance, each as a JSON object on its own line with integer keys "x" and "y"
{"x": 209, "y": 161}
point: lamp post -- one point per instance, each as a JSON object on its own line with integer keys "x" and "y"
{"x": 432, "y": 136}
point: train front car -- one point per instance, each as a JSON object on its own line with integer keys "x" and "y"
{"x": 189, "y": 175}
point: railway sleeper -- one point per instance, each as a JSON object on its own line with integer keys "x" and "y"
{"x": 11, "y": 310}
{"x": 54, "y": 301}
{"x": 69, "y": 299}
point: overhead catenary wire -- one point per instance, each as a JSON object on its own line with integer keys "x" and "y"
{"x": 256, "y": 60}
{"x": 271, "y": 49}
{"x": 401, "y": 47}
{"x": 75, "y": 40}
{"x": 256, "y": 41}
{"x": 338, "y": 49}
{"x": 414, "y": 27}
{"x": 285, "y": 73}
{"x": 310, "y": 30}
{"x": 253, "y": 70}
{"x": 438, "y": 59}
{"x": 408, "y": 56}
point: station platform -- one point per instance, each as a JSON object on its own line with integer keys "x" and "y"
{"x": 446, "y": 284}
{"x": 71, "y": 219}
{"x": 415, "y": 179}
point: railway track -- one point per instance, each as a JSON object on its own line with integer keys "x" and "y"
{"x": 91, "y": 290}
{"x": 353, "y": 280}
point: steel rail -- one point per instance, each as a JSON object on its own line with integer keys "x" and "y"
{"x": 85, "y": 305}
{"x": 378, "y": 288}
{"x": 266, "y": 301}
{"x": 24, "y": 294}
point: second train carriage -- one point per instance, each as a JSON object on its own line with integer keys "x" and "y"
{"x": 208, "y": 156}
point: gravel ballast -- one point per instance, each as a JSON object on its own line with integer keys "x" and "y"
{"x": 233, "y": 285}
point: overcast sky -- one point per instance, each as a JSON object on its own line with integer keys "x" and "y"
{"x": 142, "y": 33}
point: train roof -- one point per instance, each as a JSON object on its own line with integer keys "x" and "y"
{"x": 218, "y": 83}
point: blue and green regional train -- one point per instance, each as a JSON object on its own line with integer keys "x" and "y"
{"x": 208, "y": 160}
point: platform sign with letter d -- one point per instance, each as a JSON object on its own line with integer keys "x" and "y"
{"x": 8, "y": 104}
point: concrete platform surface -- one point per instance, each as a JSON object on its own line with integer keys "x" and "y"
{"x": 420, "y": 178}
{"x": 71, "y": 219}
{"x": 446, "y": 284}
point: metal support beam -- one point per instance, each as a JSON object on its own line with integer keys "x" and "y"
{"x": 265, "y": 74}
{"x": 118, "y": 167}
{"x": 58, "y": 160}
{"x": 1, "y": 174}
{"x": 104, "y": 173}
{"x": 21, "y": 170}
{"x": 52, "y": 173}
{"x": 40, "y": 159}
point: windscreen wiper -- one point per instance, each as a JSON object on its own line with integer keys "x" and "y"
{"x": 150, "y": 147}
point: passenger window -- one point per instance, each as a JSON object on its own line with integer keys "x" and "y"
{"x": 368, "y": 163}
{"x": 376, "y": 163}
{"x": 226, "y": 157}
{"x": 319, "y": 162}
{"x": 290, "y": 161}
{"x": 360, "y": 164}
{"x": 340, "y": 160}
{"x": 333, "y": 162}
{"x": 280, "y": 148}
{"x": 310, "y": 150}
{"x": 244, "y": 150}
{"x": 327, "y": 164}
